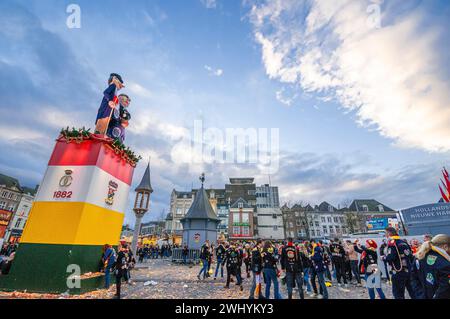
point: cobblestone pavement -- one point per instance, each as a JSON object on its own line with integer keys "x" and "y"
{"x": 179, "y": 281}
{"x": 161, "y": 279}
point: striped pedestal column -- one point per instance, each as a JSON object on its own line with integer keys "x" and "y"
{"x": 79, "y": 208}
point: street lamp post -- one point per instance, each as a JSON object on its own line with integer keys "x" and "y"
{"x": 141, "y": 205}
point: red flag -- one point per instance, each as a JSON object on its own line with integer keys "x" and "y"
{"x": 444, "y": 196}
{"x": 445, "y": 172}
{"x": 447, "y": 183}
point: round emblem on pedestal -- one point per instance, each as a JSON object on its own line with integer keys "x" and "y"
{"x": 67, "y": 179}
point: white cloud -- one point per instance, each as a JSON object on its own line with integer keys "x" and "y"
{"x": 138, "y": 89}
{"x": 390, "y": 76}
{"x": 210, "y": 4}
{"x": 212, "y": 71}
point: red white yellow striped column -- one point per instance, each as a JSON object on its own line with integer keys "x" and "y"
{"x": 79, "y": 207}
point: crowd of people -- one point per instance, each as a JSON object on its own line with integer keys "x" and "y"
{"x": 147, "y": 252}
{"x": 421, "y": 269}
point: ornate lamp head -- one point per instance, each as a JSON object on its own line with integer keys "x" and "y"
{"x": 202, "y": 178}
{"x": 143, "y": 191}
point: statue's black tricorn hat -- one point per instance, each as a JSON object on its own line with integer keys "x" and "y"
{"x": 117, "y": 76}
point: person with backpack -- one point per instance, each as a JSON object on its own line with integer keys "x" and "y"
{"x": 292, "y": 264}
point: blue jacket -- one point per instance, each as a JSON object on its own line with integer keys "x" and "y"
{"x": 317, "y": 259}
{"x": 399, "y": 255}
{"x": 432, "y": 276}
{"x": 108, "y": 95}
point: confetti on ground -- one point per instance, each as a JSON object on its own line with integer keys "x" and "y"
{"x": 174, "y": 281}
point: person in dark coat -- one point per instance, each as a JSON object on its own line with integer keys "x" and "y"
{"x": 318, "y": 270}
{"x": 121, "y": 268}
{"x": 204, "y": 257}
{"x": 256, "y": 267}
{"x": 399, "y": 256}
{"x": 292, "y": 264}
{"x": 109, "y": 103}
{"x": 432, "y": 278}
{"x": 270, "y": 269}
{"x": 233, "y": 260}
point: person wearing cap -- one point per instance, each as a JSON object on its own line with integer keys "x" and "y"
{"x": 109, "y": 102}
{"x": 369, "y": 256}
{"x": 399, "y": 256}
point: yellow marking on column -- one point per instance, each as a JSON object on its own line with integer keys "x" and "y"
{"x": 72, "y": 224}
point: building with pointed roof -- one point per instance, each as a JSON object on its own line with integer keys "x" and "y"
{"x": 200, "y": 222}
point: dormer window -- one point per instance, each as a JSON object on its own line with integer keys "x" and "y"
{"x": 365, "y": 208}
{"x": 380, "y": 208}
{"x": 241, "y": 205}
{"x": 330, "y": 208}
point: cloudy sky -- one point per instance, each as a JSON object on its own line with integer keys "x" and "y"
{"x": 358, "y": 90}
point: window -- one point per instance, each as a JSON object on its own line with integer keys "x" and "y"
{"x": 335, "y": 219}
{"x": 274, "y": 216}
{"x": 275, "y": 228}
{"x": 4, "y": 194}
{"x": 311, "y": 224}
{"x": 236, "y": 218}
{"x": 18, "y": 222}
{"x": 324, "y": 228}
{"x": 297, "y": 214}
{"x": 246, "y": 230}
{"x": 2, "y": 205}
{"x": 179, "y": 211}
{"x": 338, "y": 229}
{"x": 365, "y": 208}
{"x": 318, "y": 233}
{"x": 236, "y": 230}
{"x": 331, "y": 229}
{"x": 313, "y": 233}
{"x": 11, "y": 208}
{"x": 316, "y": 223}
{"x": 10, "y": 195}
{"x": 341, "y": 219}
{"x": 323, "y": 219}
{"x": 298, "y": 223}
{"x": 291, "y": 225}
{"x": 245, "y": 218}
{"x": 329, "y": 219}
{"x": 380, "y": 208}
{"x": 330, "y": 208}
{"x": 240, "y": 205}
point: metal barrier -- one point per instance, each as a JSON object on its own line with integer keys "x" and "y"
{"x": 193, "y": 256}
